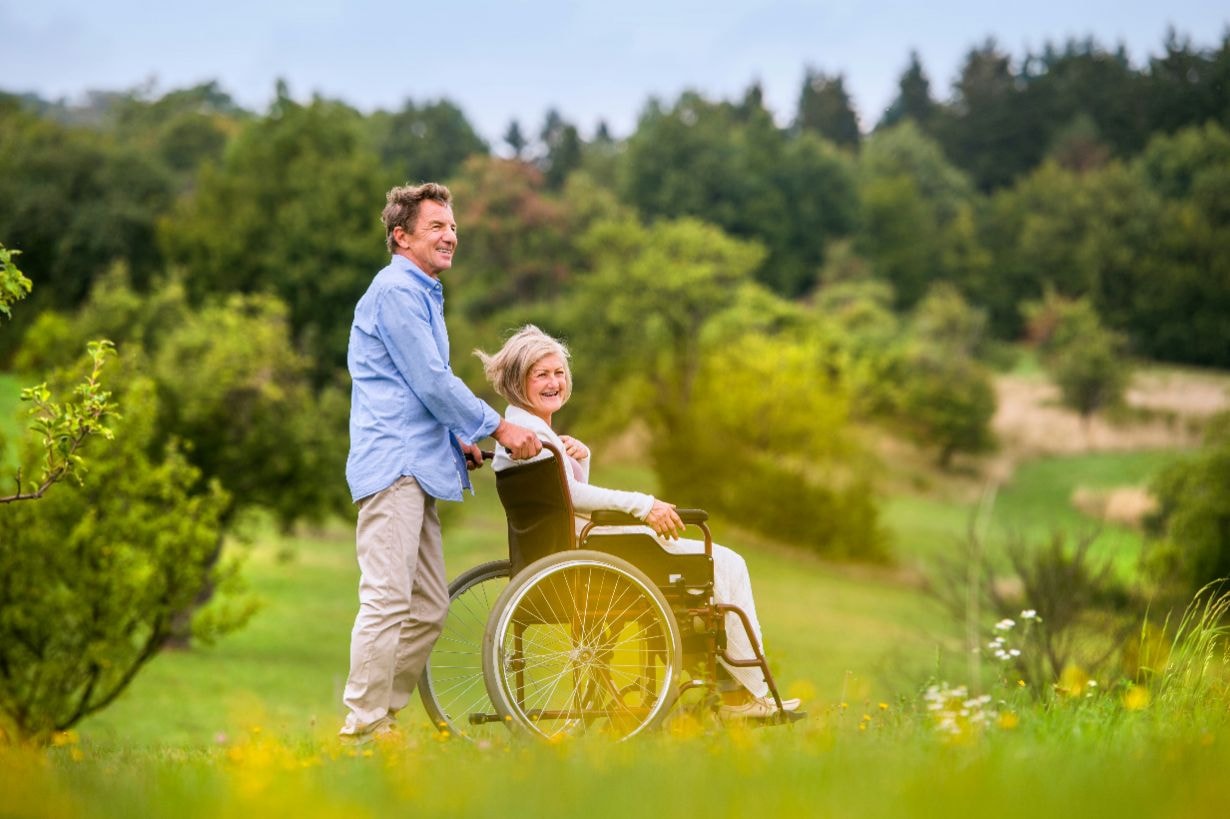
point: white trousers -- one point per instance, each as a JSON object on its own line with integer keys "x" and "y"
{"x": 731, "y": 585}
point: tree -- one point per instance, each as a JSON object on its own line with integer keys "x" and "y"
{"x": 92, "y": 576}
{"x": 913, "y": 100}
{"x": 987, "y": 131}
{"x": 718, "y": 369}
{"x": 516, "y": 237}
{"x": 183, "y": 128}
{"x": 917, "y": 224}
{"x": 291, "y": 210}
{"x": 230, "y": 385}
{"x": 516, "y": 140}
{"x": 1182, "y": 88}
{"x": 819, "y": 186}
{"x": 1078, "y": 146}
{"x": 76, "y": 200}
{"x": 563, "y": 156}
{"x": 947, "y": 398}
{"x": 1096, "y": 234}
{"x": 825, "y": 109}
{"x": 425, "y": 143}
{"x": 768, "y": 441}
{"x": 1180, "y": 296}
{"x": 1082, "y": 82}
{"x": 649, "y": 292}
{"x": 730, "y": 166}
{"x": 1085, "y": 359}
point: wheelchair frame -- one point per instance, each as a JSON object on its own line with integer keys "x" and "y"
{"x": 579, "y": 632}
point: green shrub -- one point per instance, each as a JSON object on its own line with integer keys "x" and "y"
{"x": 92, "y": 576}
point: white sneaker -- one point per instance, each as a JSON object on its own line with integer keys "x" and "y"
{"x": 382, "y": 727}
{"x": 757, "y": 708}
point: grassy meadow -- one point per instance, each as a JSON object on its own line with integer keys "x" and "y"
{"x": 246, "y": 726}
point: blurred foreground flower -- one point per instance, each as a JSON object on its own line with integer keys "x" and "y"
{"x": 957, "y": 714}
{"x": 1136, "y": 698}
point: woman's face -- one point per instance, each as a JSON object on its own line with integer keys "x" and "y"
{"x": 545, "y": 386}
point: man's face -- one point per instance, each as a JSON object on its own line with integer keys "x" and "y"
{"x": 433, "y": 241}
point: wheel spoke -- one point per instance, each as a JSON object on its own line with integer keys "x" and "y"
{"x": 453, "y": 687}
{"x": 584, "y": 647}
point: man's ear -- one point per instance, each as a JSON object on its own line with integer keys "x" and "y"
{"x": 400, "y": 237}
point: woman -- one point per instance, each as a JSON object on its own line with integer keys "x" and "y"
{"x": 531, "y": 372}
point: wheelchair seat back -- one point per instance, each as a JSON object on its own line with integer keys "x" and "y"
{"x": 539, "y": 511}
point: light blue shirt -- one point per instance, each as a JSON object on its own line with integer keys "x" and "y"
{"x": 407, "y": 408}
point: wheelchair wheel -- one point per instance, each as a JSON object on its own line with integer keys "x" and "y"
{"x": 452, "y": 687}
{"x": 582, "y": 642}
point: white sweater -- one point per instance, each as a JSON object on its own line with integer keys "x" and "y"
{"x": 586, "y": 499}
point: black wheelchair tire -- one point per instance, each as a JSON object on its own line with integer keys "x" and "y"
{"x": 452, "y": 686}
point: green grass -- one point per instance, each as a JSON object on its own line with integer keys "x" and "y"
{"x": 10, "y": 400}
{"x": 1033, "y": 505}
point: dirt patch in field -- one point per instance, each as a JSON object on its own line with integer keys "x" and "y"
{"x": 1165, "y": 411}
{"x": 1125, "y": 505}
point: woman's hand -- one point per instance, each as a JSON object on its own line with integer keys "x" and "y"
{"x": 664, "y": 520}
{"x": 574, "y": 448}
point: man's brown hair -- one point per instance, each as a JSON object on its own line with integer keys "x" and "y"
{"x": 402, "y": 209}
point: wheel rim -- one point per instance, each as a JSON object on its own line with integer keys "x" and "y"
{"x": 453, "y": 689}
{"x": 585, "y": 646}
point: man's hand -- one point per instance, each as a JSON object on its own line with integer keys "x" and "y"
{"x": 664, "y": 520}
{"x": 519, "y": 441}
{"x": 474, "y": 455}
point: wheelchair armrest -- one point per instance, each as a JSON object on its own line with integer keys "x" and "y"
{"x": 606, "y": 517}
{"x": 693, "y": 515}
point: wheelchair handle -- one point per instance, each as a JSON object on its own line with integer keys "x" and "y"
{"x": 486, "y": 454}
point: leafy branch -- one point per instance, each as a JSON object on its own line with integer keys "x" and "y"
{"x": 13, "y": 285}
{"x": 65, "y": 427}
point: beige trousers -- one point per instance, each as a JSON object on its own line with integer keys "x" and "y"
{"x": 403, "y": 602}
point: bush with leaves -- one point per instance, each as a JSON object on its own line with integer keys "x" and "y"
{"x": 62, "y": 427}
{"x": 1192, "y": 521}
{"x": 770, "y": 444}
{"x": 231, "y": 387}
{"x": 1085, "y": 359}
{"x": 947, "y": 395}
{"x": 14, "y": 286}
{"x": 1080, "y": 613}
{"x": 93, "y": 575}
{"x": 741, "y": 415}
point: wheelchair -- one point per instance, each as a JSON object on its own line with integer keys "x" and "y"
{"x": 597, "y": 632}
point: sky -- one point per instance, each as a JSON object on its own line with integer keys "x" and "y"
{"x": 592, "y": 60}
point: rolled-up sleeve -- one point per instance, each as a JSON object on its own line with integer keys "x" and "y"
{"x": 404, "y": 324}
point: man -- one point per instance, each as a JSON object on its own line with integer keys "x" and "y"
{"x": 413, "y": 427}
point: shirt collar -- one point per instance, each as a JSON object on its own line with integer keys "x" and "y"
{"x": 402, "y": 263}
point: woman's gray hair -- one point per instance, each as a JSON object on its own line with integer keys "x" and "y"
{"x": 509, "y": 369}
